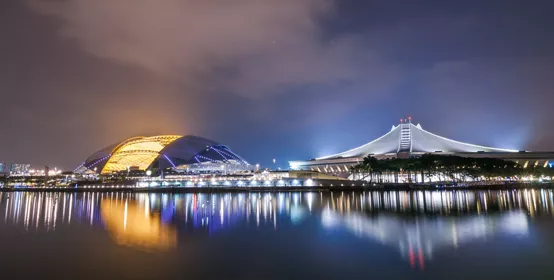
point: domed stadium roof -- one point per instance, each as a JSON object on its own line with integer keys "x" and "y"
{"x": 162, "y": 151}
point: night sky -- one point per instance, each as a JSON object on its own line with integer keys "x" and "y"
{"x": 284, "y": 79}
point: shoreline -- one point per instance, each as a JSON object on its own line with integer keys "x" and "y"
{"x": 394, "y": 187}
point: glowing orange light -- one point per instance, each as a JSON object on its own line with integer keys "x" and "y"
{"x": 137, "y": 152}
{"x": 135, "y": 226}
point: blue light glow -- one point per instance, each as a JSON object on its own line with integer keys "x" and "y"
{"x": 172, "y": 164}
{"x": 217, "y": 151}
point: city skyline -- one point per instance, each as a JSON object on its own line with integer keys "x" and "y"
{"x": 280, "y": 80}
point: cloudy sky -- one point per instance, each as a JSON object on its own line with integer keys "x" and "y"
{"x": 284, "y": 79}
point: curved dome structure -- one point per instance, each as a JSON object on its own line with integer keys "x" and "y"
{"x": 162, "y": 151}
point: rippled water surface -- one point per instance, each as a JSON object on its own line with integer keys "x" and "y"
{"x": 288, "y": 235}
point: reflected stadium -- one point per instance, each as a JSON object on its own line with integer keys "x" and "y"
{"x": 418, "y": 225}
{"x": 131, "y": 225}
{"x": 182, "y": 153}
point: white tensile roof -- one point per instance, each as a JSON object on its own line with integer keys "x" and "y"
{"x": 407, "y": 137}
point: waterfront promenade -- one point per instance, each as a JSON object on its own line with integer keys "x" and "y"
{"x": 217, "y": 189}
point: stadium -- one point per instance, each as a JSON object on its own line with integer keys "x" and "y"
{"x": 180, "y": 153}
{"x": 408, "y": 140}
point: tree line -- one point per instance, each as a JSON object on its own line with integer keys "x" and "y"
{"x": 444, "y": 168}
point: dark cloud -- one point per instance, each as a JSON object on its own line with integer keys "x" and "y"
{"x": 276, "y": 78}
{"x": 254, "y": 47}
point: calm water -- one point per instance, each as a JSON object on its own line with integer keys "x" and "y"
{"x": 340, "y": 235}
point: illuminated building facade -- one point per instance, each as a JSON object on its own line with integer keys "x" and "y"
{"x": 20, "y": 169}
{"x": 187, "y": 153}
{"x": 408, "y": 140}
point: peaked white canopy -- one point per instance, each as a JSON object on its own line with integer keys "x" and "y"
{"x": 407, "y": 137}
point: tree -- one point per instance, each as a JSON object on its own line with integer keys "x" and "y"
{"x": 447, "y": 167}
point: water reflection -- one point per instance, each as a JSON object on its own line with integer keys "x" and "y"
{"x": 417, "y": 238}
{"x": 416, "y": 223}
{"x": 132, "y": 224}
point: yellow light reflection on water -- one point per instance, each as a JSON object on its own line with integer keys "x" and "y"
{"x": 128, "y": 225}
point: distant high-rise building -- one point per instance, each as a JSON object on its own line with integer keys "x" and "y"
{"x": 2, "y": 167}
{"x": 19, "y": 168}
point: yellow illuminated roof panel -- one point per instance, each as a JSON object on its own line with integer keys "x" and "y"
{"x": 141, "y": 146}
{"x": 137, "y": 152}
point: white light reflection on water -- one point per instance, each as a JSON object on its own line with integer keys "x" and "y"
{"x": 421, "y": 236}
{"x": 416, "y": 223}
